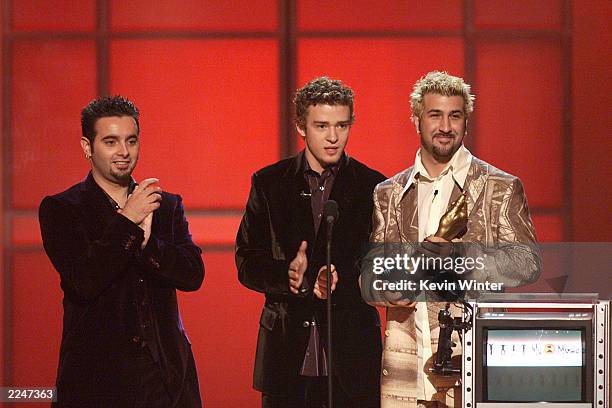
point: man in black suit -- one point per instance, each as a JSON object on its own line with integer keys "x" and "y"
{"x": 280, "y": 251}
{"x": 121, "y": 250}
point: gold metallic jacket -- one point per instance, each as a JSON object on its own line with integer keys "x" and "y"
{"x": 498, "y": 219}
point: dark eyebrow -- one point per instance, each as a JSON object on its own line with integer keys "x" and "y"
{"x": 117, "y": 137}
{"x": 440, "y": 111}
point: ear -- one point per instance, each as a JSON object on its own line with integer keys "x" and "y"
{"x": 86, "y": 146}
{"x": 416, "y": 122}
{"x": 300, "y": 130}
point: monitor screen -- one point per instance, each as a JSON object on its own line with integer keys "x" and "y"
{"x": 534, "y": 364}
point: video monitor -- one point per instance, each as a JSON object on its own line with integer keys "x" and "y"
{"x": 526, "y": 360}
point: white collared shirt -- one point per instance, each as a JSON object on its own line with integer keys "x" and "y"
{"x": 433, "y": 198}
{"x": 435, "y": 192}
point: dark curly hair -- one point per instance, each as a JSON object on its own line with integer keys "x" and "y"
{"x": 103, "y": 107}
{"x": 321, "y": 90}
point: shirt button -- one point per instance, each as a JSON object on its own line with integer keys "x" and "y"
{"x": 306, "y": 323}
{"x": 387, "y": 333}
{"x": 135, "y": 339}
{"x": 385, "y": 372}
{"x": 140, "y": 280}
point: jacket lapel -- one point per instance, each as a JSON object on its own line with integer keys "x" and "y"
{"x": 474, "y": 184}
{"x": 96, "y": 202}
{"x": 297, "y": 197}
{"x": 342, "y": 190}
{"x": 406, "y": 209}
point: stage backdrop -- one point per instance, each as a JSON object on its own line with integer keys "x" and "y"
{"x": 214, "y": 81}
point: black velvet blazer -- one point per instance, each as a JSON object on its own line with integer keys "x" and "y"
{"x": 278, "y": 217}
{"x": 103, "y": 274}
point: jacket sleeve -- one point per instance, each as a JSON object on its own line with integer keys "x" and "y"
{"x": 378, "y": 248}
{"x": 514, "y": 259}
{"x": 258, "y": 268}
{"x": 86, "y": 267}
{"x": 179, "y": 262}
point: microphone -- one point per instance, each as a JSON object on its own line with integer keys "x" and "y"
{"x": 330, "y": 211}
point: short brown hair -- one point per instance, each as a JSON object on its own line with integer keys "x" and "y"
{"x": 103, "y": 107}
{"x": 325, "y": 91}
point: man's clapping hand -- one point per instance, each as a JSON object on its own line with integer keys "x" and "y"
{"x": 297, "y": 268}
{"x": 143, "y": 201}
{"x": 320, "y": 287}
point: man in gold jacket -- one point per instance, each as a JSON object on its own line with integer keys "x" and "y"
{"x": 407, "y": 211}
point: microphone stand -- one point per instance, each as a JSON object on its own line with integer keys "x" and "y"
{"x": 330, "y": 400}
{"x": 330, "y": 211}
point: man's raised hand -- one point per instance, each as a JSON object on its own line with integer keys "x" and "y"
{"x": 146, "y": 226}
{"x": 320, "y": 287}
{"x": 297, "y": 268}
{"x": 143, "y": 201}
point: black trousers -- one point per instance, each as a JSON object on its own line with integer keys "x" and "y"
{"x": 311, "y": 392}
{"x": 153, "y": 392}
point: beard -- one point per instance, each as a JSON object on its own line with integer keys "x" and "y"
{"x": 123, "y": 177}
{"x": 440, "y": 153}
{"x": 444, "y": 152}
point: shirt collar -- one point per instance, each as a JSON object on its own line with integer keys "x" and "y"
{"x": 92, "y": 183}
{"x": 332, "y": 169}
{"x": 458, "y": 165}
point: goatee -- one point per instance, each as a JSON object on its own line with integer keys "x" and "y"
{"x": 122, "y": 178}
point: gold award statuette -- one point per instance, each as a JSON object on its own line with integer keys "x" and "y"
{"x": 454, "y": 221}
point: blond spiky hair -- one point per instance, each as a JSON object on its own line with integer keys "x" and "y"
{"x": 440, "y": 83}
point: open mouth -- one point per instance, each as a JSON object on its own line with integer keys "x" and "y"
{"x": 122, "y": 165}
{"x": 444, "y": 138}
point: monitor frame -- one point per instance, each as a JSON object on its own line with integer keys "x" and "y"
{"x": 513, "y": 323}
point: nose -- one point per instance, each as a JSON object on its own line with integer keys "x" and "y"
{"x": 123, "y": 150}
{"x": 445, "y": 124}
{"x": 332, "y": 135}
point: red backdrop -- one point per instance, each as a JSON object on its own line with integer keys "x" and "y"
{"x": 209, "y": 82}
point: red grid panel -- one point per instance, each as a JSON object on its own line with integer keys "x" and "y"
{"x": 222, "y": 321}
{"x": 213, "y": 229}
{"x": 52, "y": 81}
{"x": 25, "y": 230}
{"x": 382, "y": 15}
{"x": 209, "y": 113}
{"x": 527, "y": 14}
{"x": 591, "y": 115}
{"x": 382, "y": 73}
{"x": 36, "y": 313}
{"x": 549, "y": 228}
{"x": 194, "y": 15}
{"x": 518, "y": 106}
{"x": 54, "y": 15}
